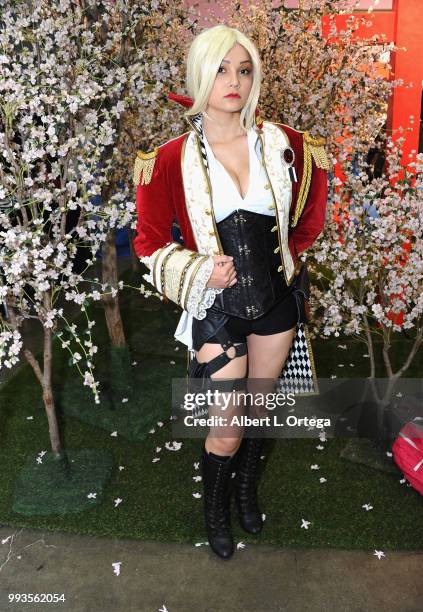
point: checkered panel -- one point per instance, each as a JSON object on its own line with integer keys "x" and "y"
{"x": 297, "y": 375}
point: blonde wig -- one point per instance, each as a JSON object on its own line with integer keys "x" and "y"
{"x": 205, "y": 55}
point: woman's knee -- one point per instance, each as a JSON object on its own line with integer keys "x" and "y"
{"x": 223, "y": 445}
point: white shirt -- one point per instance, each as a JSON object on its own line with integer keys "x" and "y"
{"x": 226, "y": 199}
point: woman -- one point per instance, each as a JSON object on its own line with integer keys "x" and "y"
{"x": 249, "y": 197}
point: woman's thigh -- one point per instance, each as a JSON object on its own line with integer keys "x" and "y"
{"x": 230, "y": 404}
{"x": 266, "y": 358}
{"x": 267, "y": 354}
{"x": 236, "y": 368}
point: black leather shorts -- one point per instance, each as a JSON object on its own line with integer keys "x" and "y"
{"x": 282, "y": 316}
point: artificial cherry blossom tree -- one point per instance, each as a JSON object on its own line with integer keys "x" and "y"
{"x": 63, "y": 90}
{"x": 125, "y": 36}
{"x": 370, "y": 259}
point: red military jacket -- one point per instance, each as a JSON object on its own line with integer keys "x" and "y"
{"x": 163, "y": 198}
{"x": 172, "y": 184}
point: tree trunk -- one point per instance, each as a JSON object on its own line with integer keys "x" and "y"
{"x": 52, "y": 420}
{"x": 45, "y": 380}
{"x": 135, "y": 262}
{"x": 110, "y": 303}
{"x": 48, "y": 397}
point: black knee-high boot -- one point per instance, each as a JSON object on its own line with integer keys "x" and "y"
{"x": 216, "y": 472}
{"x": 248, "y": 511}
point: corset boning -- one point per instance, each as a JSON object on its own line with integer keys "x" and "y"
{"x": 247, "y": 237}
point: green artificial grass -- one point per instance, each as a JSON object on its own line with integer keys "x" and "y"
{"x": 157, "y": 496}
{"x": 71, "y": 483}
{"x": 132, "y": 413}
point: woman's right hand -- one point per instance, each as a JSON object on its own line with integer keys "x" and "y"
{"x": 223, "y": 274}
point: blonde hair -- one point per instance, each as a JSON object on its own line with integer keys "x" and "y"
{"x": 205, "y": 55}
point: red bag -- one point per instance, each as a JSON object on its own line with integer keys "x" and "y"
{"x": 407, "y": 450}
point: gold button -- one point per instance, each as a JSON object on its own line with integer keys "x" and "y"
{"x": 211, "y": 233}
{"x": 208, "y": 211}
{"x": 280, "y": 269}
{"x": 275, "y": 227}
{"x": 276, "y": 250}
{"x": 267, "y": 186}
{"x": 271, "y": 206}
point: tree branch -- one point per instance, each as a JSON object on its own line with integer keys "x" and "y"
{"x": 416, "y": 345}
{"x": 35, "y": 366}
{"x": 370, "y": 347}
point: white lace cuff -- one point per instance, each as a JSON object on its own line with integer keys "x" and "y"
{"x": 202, "y": 297}
{"x": 148, "y": 261}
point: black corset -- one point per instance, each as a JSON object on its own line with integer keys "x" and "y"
{"x": 247, "y": 236}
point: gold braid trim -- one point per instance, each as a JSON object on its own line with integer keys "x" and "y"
{"x": 317, "y": 150}
{"x": 173, "y": 271}
{"x": 305, "y": 184}
{"x": 168, "y": 280}
{"x": 312, "y": 364}
{"x": 144, "y": 164}
{"x": 193, "y": 255}
{"x": 200, "y": 261}
{"x": 158, "y": 254}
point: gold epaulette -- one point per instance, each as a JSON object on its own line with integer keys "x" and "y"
{"x": 144, "y": 163}
{"x": 313, "y": 149}
{"x": 317, "y": 150}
